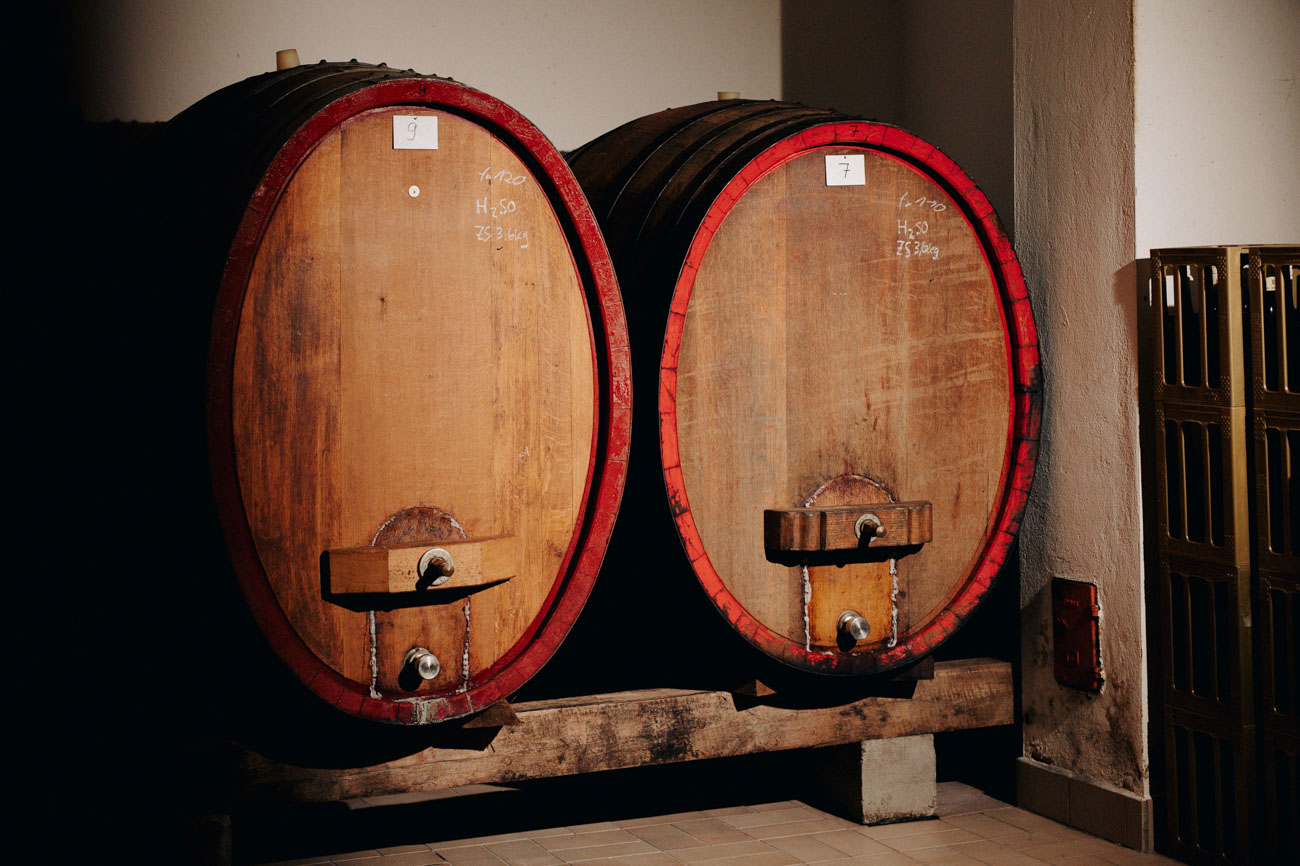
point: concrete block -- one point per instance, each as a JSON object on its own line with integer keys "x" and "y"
{"x": 879, "y": 781}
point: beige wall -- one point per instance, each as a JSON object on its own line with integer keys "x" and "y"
{"x": 575, "y": 68}
{"x": 1218, "y": 122}
{"x": 1074, "y": 192}
{"x": 1137, "y": 125}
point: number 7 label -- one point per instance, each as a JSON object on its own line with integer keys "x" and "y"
{"x": 846, "y": 169}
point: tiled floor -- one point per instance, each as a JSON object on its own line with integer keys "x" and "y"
{"x": 970, "y": 828}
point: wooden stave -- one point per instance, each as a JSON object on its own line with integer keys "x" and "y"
{"x": 650, "y": 245}
{"x": 240, "y": 181}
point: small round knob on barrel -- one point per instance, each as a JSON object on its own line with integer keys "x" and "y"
{"x": 854, "y": 626}
{"x": 424, "y": 663}
{"x": 869, "y": 525}
{"x": 435, "y": 567}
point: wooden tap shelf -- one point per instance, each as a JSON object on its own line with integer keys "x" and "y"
{"x": 836, "y": 527}
{"x": 479, "y": 563}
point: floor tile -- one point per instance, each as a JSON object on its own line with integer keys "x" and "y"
{"x": 1060, "y": 851}
{"x": 981, "y": 825}
{"x": 806, "y": 849}
{"x": 657, "y": 859}
{"x": 793, "y": 828}
{"x": 473, "y": 856}
{"x": 712, "y": 831}
{"x": 718, "y": 852}
{"x": 781, "y": 804}
{"x": 667, "y": 837}
{"x": 893, "y": 858}
{"x": 604, "y": 852}
{"x": 523, "y": 852}
{"x": 902, "y": 828}
{"x": 476, "y": 840}
{"x": 932, "y": 839}
{"x": 368, "y": 854}
{"x": 770, "y": 816}
{"x": 1023, "y": 819}
{"x": 771, "y": 858}
{"x": 944, "y": 856}
{"x": 994, "y": 853}
{"x": 409, "y": 858}
{"x": 852, "y": 842}
{"x": 586, "y": 840}
{"x": 594, "y": 827}
{"x": 663, "y": 819}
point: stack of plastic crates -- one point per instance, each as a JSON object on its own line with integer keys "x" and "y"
{"x": 1274, "y": 305}
{"x": 1226, "y": 430}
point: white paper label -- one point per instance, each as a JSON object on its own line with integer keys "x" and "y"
{"x": 846, "y": 169}
{"x": 415, "y": 132}
{"x": 1170, "y": 292}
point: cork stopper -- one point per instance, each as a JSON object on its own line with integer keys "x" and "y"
{"x": 728, "y": 94}
{"x": 287, "y": 58}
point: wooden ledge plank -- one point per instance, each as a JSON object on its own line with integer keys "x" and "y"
{"x": 630, "y": 729}
{"x": 835, "y": 527}
{"x": 478, "y": 563}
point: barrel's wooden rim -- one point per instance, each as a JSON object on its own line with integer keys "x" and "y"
{"x": 612, "y": 398}
{"x": 1025, "y": 404}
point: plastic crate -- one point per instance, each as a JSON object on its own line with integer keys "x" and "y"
{"x": 1203, "y": 497}
{"x": 1273, "y": 292}
{"x": 1277, "y": 490}
{"x": 1210, "y": 789}
{"x": 1277, "y": 618}
{"x": 1279, "y": 797}
{"x": 1198, "y": 327}
{"x": 1205, "y": 633}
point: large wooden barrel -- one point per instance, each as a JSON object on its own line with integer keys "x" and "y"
{"x": 839, "y": 338}
{"x": 418, "y": 398}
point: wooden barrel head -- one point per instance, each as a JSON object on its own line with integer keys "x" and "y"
{"x": 410, "y": 331}
{"x": 848, "y": 308}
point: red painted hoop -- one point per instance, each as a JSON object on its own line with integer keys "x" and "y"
{"x": 612, "y": 399}
{"x": 1024, "y": 409}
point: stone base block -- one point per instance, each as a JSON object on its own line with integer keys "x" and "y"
{"x": 879, "y": 781}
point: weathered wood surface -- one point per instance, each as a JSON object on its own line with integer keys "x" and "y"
{"x": 812, "y": 336}
{"x": 620, "y": 730}
{"x": 477, "y": 562}
{"x": 799, "y": 275}
{"x": 391, "y": 355}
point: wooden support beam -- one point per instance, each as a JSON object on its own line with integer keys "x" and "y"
{"x": 624, "y": 729}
